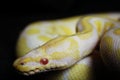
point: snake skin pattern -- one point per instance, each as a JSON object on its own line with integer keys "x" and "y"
{"x": 66, "y": 45}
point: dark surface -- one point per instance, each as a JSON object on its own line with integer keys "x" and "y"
{"x": 15, "y": 16}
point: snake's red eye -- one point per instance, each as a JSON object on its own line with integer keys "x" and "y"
{"x": 44, "y": 61}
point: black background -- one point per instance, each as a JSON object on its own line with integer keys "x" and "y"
{"x": 14, "y": 16}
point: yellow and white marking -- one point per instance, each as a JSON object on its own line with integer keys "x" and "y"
{"x": 65, "y": 42}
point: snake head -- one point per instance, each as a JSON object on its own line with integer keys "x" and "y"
{"x": 51, "y": 56}
{"x": 33, "y": 62}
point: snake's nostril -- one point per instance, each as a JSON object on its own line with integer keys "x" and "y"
{"x": 21, "y": 63}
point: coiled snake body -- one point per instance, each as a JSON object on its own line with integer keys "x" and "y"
{"x": 65, "y": 44}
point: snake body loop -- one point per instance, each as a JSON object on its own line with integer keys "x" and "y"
{"x": 65, "y": 44}
{"x": 110, "y": 48}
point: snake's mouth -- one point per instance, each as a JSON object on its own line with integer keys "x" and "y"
{"x": 31, "y": 72}
{"x": 37, "y": 70}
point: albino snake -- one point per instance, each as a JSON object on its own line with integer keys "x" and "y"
{"x": 67, "y": 44}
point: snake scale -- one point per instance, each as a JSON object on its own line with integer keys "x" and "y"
{"x": 66, "y": 45}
